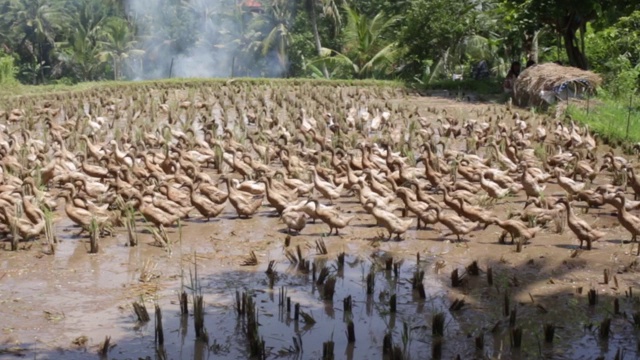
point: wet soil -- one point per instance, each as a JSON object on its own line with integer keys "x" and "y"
{"x": 62, "y": 305}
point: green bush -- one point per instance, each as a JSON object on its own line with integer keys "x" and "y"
{"x": 615, "y": 53}
{"x": 7, "y": 71}
{"x": 623, "y": 78}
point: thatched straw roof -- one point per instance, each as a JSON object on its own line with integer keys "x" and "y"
{"x": 537, "y": 84}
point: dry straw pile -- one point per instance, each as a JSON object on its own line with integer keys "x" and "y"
{"x": 553, "y": 81}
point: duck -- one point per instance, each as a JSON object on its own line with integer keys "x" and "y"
{"x": 254, "y": 164}
{"x": 250, "y": 186}
{"x": 84, "y": 203}
{"x": 469, "y": 172}
{"x": 153, "y": 214}
{"x": 211, "y": 191}
{"x": 301, "y": 187}
{"x": 583, "y": 168}
{"x": 332, "y": 217}
{"x": 593, "y": 198}
{"x": 541, "y": 134}
{"x": 97, "y": 152}
{"x": 82, "y": 217}
{"x": 431, "y": 174}
{"x": 31, "y": 211}
{"x": 42, "y": 197}
{"x": 461, "y": 184}
{"x": 122, "y": 157}
{"x": 26, "y": 228}
{"x": 203, "y": 204}
{"x": 630, "y": 205}
{"x": 538, "y": 174}
{"x": 95, "y": 190}
{"x": 264, "y": 152}
{"x": 276, "y": 199}
{"x": 241, "y": 167}
{"x": 474, "y": 213}
{"x": 529, "y": 183}
{"x": 245, "y": 203}
{"x": 325, "y": 188}
{"x": 450, "y": 201}
{"x": 95, "y": 171}
{"x": 561, "y": 158}
{"x": 388, "y": 220}
{"x": 421, "y": 195}
{"x": 567, "y": 184}
{"x": 615, "y": 163}
{"x": 504, "y": 160}
{"x": 580, "y": 228}
{"x": 543, "y": 213}
{"x": 365, "y": 194}
{"x": 457, "y": 225}
{"x": 630, "y": 222}
{"x": 309, "y": 208}
{"x": 634, "y": 182}
{"x": 295, "y": 220}
{"x": 174, "y": 194}
{"x": 422, "y": 210}
{"x": 167, "y": 205}
{"x": 516, "y": 228}
{"x": 492, "y": 189}
{"x": 352, "y": 178}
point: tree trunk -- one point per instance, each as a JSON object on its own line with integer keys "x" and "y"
{"x": 534, "y": 50}
{"x": 528, "y": 44}
{"x": 568, "y": 28}
{"x": 583, "y": 30}
{"x": 41, "y": 61}
{"x": 576, "y": 57}
{"x": 316, "y": 34}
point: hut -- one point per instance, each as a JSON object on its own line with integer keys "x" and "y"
{"x": 252, "y": 6}
{"x": 545, "y": 84}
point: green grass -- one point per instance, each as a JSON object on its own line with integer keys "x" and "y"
{"x": 26, "y": 90}
{"x": 608, "y": 118}
{"x": 480, "y": 87}
{"x": 7, "y": 71}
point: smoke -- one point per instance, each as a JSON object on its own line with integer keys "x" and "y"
{"x": 196, "y": 38}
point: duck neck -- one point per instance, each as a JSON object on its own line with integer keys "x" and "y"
{"x": 569, "y": 210}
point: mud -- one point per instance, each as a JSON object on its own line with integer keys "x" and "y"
{"x": 48, "y": 302}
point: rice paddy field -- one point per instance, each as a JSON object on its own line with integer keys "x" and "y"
{"x": 310, "y": 220}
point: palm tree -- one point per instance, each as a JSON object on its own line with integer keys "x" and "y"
{"x": 88, "y": 15}
{"x": 118, "y": 44}
{"x": 243, "y": 40}
{"x": 329, "y": 9}
{"x": 277, "y": 18}
{"x": 86, "y": 22}
{"x": 365, "y": 52}
{"x": 34, "y": 24}
{"x": 202, "y": 10}
{"x": 82, "y": 54}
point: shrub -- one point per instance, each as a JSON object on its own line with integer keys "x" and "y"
{"x": 7, "y": 71}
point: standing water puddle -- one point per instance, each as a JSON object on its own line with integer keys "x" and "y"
{"x": 480, "y": 320}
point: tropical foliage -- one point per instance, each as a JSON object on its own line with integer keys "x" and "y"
{"x": 417, "y": 40}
